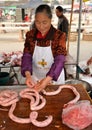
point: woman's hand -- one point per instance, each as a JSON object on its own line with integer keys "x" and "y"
{"x": 29, "y": 82}
{"x": 89, "y": 61}
{"x": 42, "y": 84}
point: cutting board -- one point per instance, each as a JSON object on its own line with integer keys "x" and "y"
{"x": 53, "y": 107}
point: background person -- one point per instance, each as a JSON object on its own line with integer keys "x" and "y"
{"x": 23, "y": 32}
{"x": 44, "y": 52}
{"x": 27, "y": 18}
{"x": 62, "y": 20}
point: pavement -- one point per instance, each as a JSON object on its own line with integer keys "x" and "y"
{"x": 10, "y": 41}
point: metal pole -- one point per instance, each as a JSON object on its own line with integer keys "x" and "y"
{"x": 70, "y": 27}
{"x": 78, "y": 44}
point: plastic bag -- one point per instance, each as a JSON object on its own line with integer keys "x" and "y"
{"x": 70, "y": 69}
{"x": 78, "y": 116}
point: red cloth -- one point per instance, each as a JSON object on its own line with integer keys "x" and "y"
{"x": 26, "y": 19}
{"x": 39, "y": 35}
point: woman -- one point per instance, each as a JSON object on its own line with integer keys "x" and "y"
{"x": 44, "y": 52}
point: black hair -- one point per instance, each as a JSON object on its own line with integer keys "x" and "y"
{"x": 44, "y": 8}
{"x": 59, "y": 8}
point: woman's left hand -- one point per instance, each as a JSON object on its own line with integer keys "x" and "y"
{"x": 42, "y": 84}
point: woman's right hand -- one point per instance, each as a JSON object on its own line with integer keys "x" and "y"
{"x": 89, "y": 61}
{"x": 29, "y": 82}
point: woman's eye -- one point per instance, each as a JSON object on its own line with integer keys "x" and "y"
{"x": 44, "y": 22}
{"x": 37, "y": 22}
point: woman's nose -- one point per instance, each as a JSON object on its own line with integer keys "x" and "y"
{"x": 41, "y": 26}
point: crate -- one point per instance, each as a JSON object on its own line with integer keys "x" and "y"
{"x": 73, "y": 37}
{"x": 87, "y": 36}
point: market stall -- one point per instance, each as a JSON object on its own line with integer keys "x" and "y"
{"x": 72, "y": 36}
{"x": 53, "y": 105}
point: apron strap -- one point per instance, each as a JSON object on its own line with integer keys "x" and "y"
{"x": 36, "y": 42}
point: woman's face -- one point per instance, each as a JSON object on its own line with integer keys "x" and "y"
{"x": 42, "y": 22}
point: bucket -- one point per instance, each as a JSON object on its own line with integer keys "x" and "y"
{"x": 85, "y": 84}
{"x": 4, "y": 78}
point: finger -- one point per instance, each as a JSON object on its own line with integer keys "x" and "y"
{"x": 32, "y": 83}
{"x": 29, "y": 84}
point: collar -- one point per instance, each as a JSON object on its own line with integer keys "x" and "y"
{"x": 49, "y": 35}
{"x": 39, "y": 35}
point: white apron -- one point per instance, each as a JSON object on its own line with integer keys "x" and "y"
{"x": 42, "y": 61}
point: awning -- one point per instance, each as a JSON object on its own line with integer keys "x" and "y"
{"x": 7, "y": 7}
{"x": 9, "y": 0}
{"x": 31, "y": 4}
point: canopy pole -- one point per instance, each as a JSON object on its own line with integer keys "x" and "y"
{"x": 78, "y": 43}
{"x": 70, "y": 27}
